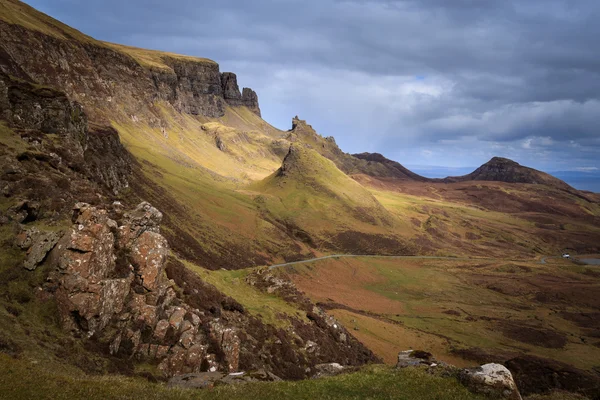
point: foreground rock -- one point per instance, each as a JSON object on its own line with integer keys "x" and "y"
{"x": 494, "y": 380}
{"x": 491, "y": 379}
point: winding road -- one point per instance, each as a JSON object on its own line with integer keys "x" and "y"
{"x": 542, "y": 261}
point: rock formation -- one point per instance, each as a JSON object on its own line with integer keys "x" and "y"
{"x": 233, "y": 97}
{"x": 110, "y": 278}
{"x": 110, "y": 285}
{"x": 491, "y": 379}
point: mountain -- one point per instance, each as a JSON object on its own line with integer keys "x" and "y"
{"x": 505, "y": 170}
{"x": 143, "y": 197}
{"x": 379, "y": 166}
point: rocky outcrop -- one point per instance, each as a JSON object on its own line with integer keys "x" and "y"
{"x": 233, "y": 97}
{"x": 231, "y": 90}
{"x": 192, "y": 87}
{"x": 38, "y": 245}
{"x": 250, "y": 100}
{"x": 110, "y": 285}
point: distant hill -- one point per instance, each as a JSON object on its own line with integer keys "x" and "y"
{"x": 377, "y": 165}
{"x": 505, "y": 170}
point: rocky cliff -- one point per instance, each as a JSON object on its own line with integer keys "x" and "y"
{"x": 108, "y": 79}
{"x": 371, "y": 164}
{"x": 59, "y": 136}
{"x": 233, "y": 97}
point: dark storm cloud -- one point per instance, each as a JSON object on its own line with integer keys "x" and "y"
{"x": 520, "y": 77}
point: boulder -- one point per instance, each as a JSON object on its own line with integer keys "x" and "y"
{"x": 40, "y": 244}
{"x": 328, "y": 369}
{"x": 490, "y": 379}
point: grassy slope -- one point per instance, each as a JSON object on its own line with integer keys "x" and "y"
{"x": 409, "y": 298}
{"x": 316, "y": 196}
{"x": 20, "y": 380}
{"x": 153, "y": 58}
{"x": 19, "y": 13}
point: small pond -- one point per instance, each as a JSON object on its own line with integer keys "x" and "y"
{"x": 590, "y": 261}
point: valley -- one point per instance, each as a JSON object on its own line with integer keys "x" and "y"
{"x": 153, "y": 226}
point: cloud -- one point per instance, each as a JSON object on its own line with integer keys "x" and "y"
{"x": 464, "y": 79}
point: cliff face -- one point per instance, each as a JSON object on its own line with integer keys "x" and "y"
{"x": 57, "y": 130}
{"x": 106, "y": 80}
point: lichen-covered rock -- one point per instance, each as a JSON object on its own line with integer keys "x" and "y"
{"x": 229, "y": 342}
{"x": 491, "y": 379}
{"x": 148, "y": 256}
{"x": 41, "y": 245}
{"x": 144, "y": 218}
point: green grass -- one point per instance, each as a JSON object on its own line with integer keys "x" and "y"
{"x": 267, "y": 307}
{"x": 20, "y": 379}
{"x": 424, "y": 289}
{"x": 154, "y": 58}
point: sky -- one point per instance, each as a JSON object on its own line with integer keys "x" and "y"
{"x": 423, "y": 82}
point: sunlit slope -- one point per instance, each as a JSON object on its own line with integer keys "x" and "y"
{"x": 238, "y": 146}
{"x": 511, "y": 220}
{"x": 326, "y": 207}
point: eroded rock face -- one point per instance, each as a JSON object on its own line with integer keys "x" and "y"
{"x": 40, "y": 108}
{"x": 111, "y": 285}
{"x": 250, "y": 100}
{"x": 38, "y": 245}
{"x": 233, "y": 97}
{"x": 106, "y": 159}
{"x": 37, "y": 112}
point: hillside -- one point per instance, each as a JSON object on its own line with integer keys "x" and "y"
{"x": 379, "y": 166}
{"x": 325, "y": 208}
{"x": 505, "y": 170}
{"x": 143, "y": 197}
